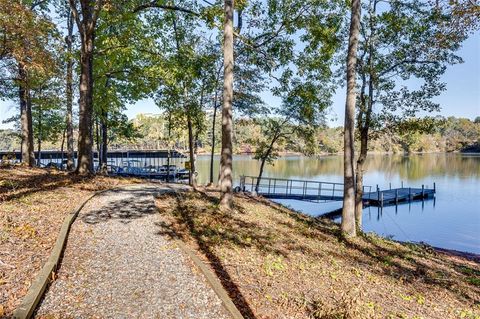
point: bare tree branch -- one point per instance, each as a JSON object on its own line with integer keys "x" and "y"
{"x": 96, "y": 13}
{"x": 396, "y": 65}
{"x": 155, "y": 4}
{"x": 37, "y": 3}
{"x": 73, "y": 7}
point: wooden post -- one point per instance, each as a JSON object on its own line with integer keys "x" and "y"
{"x": 319, "y": 191}
{"x": 434, "y": 188}
{"x": 402, "y": 184}
{"x": 378, "y": 194}
{"x": 269, "y": 184}
{"x": 381, "y": 200}
{"x": 333, "y": 191}
{"x": 378, "y": 188}
{"x": 274, "y": 184}
{"x": 390, "y": 185}
{"x": 396, "y": 196}
{"x": 423, "y": 191}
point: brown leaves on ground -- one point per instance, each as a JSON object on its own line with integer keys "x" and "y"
{"x": 33, "y": 205}
{"x": 276, "y": 263}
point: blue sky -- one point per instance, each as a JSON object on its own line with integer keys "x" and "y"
{"x": 461, "y": 99}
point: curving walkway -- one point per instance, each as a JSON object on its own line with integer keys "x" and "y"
{"x": 118, "y": 265}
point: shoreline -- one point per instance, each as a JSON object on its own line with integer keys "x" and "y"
{"x": 475, "y": 257}
{"x": 294, "y": 154}
{"x": 295, "y": 264}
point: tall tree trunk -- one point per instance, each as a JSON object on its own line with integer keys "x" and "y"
{"x": 86, "y": 22}
{"x": 348, "y": 211}
{"x": 69, "y": 94}
{"x": 212, "y": 153}
{"x": 226, "y": 201}
{"x": 264, "y": 159}
{"x": 28, "y": 156}
{"x": 39, "y": 150}
{"x": 364, "y": 125}
{"x": 214, "y": 124}
{"x": 364, "y": 130}
{"x": 359, "y": 181}
{"x": 361, "y": 158}
{"x": 62, "y": 147}
{"x": 104, "y": 143}
{"x": 193, "y": 178}
{"x": 169, "y": 140}
{"x": 102, "y": 152}
{"x": 39, "y": 137}
{"x": 85, "y": 132}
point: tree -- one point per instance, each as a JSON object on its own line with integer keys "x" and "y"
{"x": 226, "y": 167}
{"x": 47, "y": 114}
{"x": 401, "y": 41}
{"x": 246, "y": 100}
{"x": 26, "y": 34}
{"x": 126, "y": 58}
{"x": 86, "y": 17}
{"x": 348, "y": 211}
{"x": 69, "y": 91}
{"x": 190, "y": 59}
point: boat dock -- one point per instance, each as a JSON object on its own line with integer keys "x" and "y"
{"x": 397, "y": 195}
{"x": 278, "y": 188}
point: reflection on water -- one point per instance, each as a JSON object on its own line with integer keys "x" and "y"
{"x": 451, "y": 221}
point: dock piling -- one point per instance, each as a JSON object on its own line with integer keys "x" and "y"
{"x": 396, "y": 196}
{"x": 423, "y": 191}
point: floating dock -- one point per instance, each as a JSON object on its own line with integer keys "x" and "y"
{"x": 397, "y": 195}
{"x": 278, "y": 188}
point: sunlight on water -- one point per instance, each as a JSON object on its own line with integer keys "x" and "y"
{"x": 450, "y": 221}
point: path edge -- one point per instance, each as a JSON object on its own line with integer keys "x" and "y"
{"x": 212, "y": 280}
{"x": 38, "y": 286}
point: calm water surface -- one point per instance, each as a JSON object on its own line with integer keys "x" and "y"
{"x": 450, "y": 221}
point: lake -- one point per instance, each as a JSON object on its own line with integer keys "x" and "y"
{"x": 451, "y": 220}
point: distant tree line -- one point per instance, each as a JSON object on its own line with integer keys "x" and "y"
{"x": 449, "y": 134}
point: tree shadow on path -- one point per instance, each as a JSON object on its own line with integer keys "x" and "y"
{"x": 206, "y": 245}
{"x": 126, "y": 205}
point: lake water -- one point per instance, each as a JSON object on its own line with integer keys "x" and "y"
{"x": 451, "y": 220}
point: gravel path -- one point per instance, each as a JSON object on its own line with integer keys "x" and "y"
{"x": 118, "y": 265}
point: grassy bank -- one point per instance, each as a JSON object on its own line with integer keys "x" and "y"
{"x": 276, "y": 263}
{"x": 33, "y": 204}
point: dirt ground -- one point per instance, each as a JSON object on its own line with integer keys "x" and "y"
{"x": 276, "y": 263}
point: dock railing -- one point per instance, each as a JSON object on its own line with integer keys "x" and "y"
{"x": 294, "y": 188}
